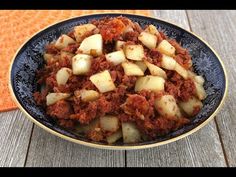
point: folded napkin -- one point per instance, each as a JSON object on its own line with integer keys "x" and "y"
{"x": 16, "y": 26}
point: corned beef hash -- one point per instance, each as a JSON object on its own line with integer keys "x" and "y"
{"x": 112, "y": 80}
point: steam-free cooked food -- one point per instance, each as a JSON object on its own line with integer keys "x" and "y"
{"x": 112, "y": 80}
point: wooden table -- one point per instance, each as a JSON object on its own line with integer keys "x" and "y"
{"x": 24, "y": 144}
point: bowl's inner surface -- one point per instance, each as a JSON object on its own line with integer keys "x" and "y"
{"x": 29, "y": 59}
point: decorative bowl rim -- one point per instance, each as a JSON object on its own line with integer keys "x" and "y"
{"x": 119, "y": 147}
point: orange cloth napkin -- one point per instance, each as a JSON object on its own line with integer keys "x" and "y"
{"x": 18, "y": 25}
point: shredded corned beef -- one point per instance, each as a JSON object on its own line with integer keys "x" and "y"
{"x": 180, "y": 88}
{"x": 61, "y": 110}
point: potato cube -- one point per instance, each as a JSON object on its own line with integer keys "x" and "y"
{"x": 166, "y": 48}
{"x": 200, "y": 91}
{"x": 81, "y": 30}
{"x": 155, "y": 70}
{"x": 103, "y": 81}
{"x": 63, "y": 75}
{"x": 152, "y": 30}
{"x": 81, "y": 64}
{"x": 119, "y": 45}
{"x": 134, "y": 52}
{"x": 132, "y": 69}
{"x": 181, "y": 71}
{"x": 190, "y": 106}
{"x": 141, "y": 65}
{"x": 92, "y": 45}
{"x": 149, "y": 40}
{"x": 152, "y": 83}
{"x": 199, "y": 79}
{"x": 130, "y": 132}
{"x": 191, "y": 74}
{"x": 116, "y": 57}
{"x": 49, "y": 58}
{"x": 168, "y": 62}
{"x": 52, "y": 98}
{"x": 114, "y": 137}
{"x": 63, "y": 41}
{"x": 87, "y": 95}
{"x": 109, "y": 123}
{"x": 167, "y": 106}
{"x": 179, "y": 113}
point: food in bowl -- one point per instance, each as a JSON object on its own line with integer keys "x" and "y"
{"x": 113, "y": 80}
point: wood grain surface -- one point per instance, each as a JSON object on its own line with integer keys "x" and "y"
{"x": 219, "y": 29}
{"x": 22, "y": 144}
{"x": 49, "y": 150}
{"x": 14, "y": 140}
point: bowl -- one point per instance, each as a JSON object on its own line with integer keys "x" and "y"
{"x": 29, "y": 58}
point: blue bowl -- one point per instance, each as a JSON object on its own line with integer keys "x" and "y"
{"x": 29, "y": 59}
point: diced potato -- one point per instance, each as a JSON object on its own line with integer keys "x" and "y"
{"x": 152, "y": 30}
{"x": 190, "y": 63}
{"x": 189, "y": 106}
{"x": 155, "y": 70}
{"x": 92, "y": 45}
{"x": 87, "y": 128}
{"x": 49, "y": 58}
{"x": 103, "y": 81}
{"x": 52, "y": 98}
{"x": 166, "y": 48}
{"x": 153, "y": 83}
{"x": 199, "y": 79}
{"x": 200, "y": 91}
{"x": 81, "y": 30}
{"x": 87, "y": 95}
{"x": 168, "y": 62}
{"x": 141, "y": 65}
{"x": 132, "y": 69}
{"x": 134, "y": 52}
{"x": 149, "y": 40}
{"x": 179, "y": 113}
{"x": 130, "y": 133}
{"x": 119, "y": 45}
{"x": 191, "y": 74}
{"x": 116, "y": 57}
{"x": 63, "y": 41}
{"x": 109, "y": 123}
{"x": 81, "y": 64}
{"x": 166, "y": 106}
{"x": 63, "y": 75}
{"x": 114, "y": 137}
{"x": 181, "y": 71}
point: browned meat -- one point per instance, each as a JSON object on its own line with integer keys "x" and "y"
{"x": 60, "y": 110}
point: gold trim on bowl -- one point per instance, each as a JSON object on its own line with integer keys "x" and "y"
{"x": 120, "y": 147}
